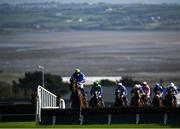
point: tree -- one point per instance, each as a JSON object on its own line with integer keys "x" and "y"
{"x": 31, "y": 80}
{"x": 106, "y": 82}
{"x": 128, "y": 81}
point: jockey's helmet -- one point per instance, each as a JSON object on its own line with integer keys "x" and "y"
{"x": 157, "y": 84}
{"x": 77, "y": 71}
{"x": 144, "y": 83}
{"x": 171, "y": 84}
{"x": 137, "y": 86}
{"x": 96, "y": 83}
{"x": 120, "y": 84}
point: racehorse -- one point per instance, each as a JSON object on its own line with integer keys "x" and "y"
{"x": 170, "y": 100}
{"x": 78, "y": 100}
{"x": 120, "y": 100}
{"x": 145, "y": 100}
{"x": 157, "y": 100}
{"x": 96, "y": 101}
{"x": 136, "y": 98}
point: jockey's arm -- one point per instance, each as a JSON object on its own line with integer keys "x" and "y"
{"x": 141, "y": 90}
{"x": 83, "y": 81}
{"x": 149, "y": 92}
{"x": 161, "y": 90}
{"x": 176, "y": 91}
{"x": 83, "y": 78}
{"x": 123, "y": 88}
{"x": 125, "y": 92}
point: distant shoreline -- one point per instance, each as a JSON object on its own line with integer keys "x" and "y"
{"x": 69, "y": 31}
{"x": 88, "y": 31}
{"x": 142, "y": 55}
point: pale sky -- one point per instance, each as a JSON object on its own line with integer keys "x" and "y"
{"x": 93, "y": 1}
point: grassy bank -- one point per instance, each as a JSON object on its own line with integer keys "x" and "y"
{"x": 33, "y": 125}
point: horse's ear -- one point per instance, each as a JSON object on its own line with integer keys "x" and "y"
{"x": 71, "y": 80}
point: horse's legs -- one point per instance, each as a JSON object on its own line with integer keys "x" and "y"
{"x": 174, "y": 102}
{"x": 125, "y": 101}
{"x": 100, "y": 103}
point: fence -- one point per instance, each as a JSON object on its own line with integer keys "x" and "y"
{"x": 125, "y": 115}
{"x": 17, "y": 112}
{"x": 45, "y": 100}
{"x": 47, "y": 112}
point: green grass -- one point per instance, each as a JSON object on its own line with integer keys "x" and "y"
{"x": 33, "y": 125}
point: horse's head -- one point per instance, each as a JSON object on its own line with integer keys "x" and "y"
{"x": 135, "y": 100}
{"x": 96, "y": 95}
{"x": 171, "y": 91}
{"x": 170, "y": 100}
{"x": 96, "y": 100}
{"x": 157, "y": 102}
{"x": 119, "y": 98}
{"x": 118, "y": 94}
{"x": 144, "y": 98}
{"x": 172, "y": 97}
{"x": 136, "y": 93}
{"x": 73, "y": 84}
{"x": 158, "y": 93}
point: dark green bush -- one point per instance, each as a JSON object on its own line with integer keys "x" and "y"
{"x": 128, "y": 81}
{"x": 27, "y": 85}
{"x": 107, "y": 82}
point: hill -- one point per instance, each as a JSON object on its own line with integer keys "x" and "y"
{"x": 84, "y": 16}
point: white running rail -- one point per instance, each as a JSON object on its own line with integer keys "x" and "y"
{"x": 45, "y": 99}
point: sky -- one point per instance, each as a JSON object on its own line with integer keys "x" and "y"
{"x": 93, "y": 1}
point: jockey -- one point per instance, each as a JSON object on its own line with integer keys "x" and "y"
{"x": 122, "y": 89}
{"x": 157, "y": 88}
{"x": 145, "y": 89}
{"x": 96, "y": 87}
{"x": 80, "y": 78}
{"x": 135, "y": 89}
{"x": 172, "y": 86}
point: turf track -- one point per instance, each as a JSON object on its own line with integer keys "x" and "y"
{"x": 33, "y": 125}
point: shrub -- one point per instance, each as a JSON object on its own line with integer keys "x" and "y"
{"x": 128, "y": 82}
{"x": 31, "y": 80}
{"x": 107, "y": 82}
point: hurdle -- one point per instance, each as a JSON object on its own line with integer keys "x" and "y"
{"x": 48, "y": 113}
{"x": 45, "y": 100}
